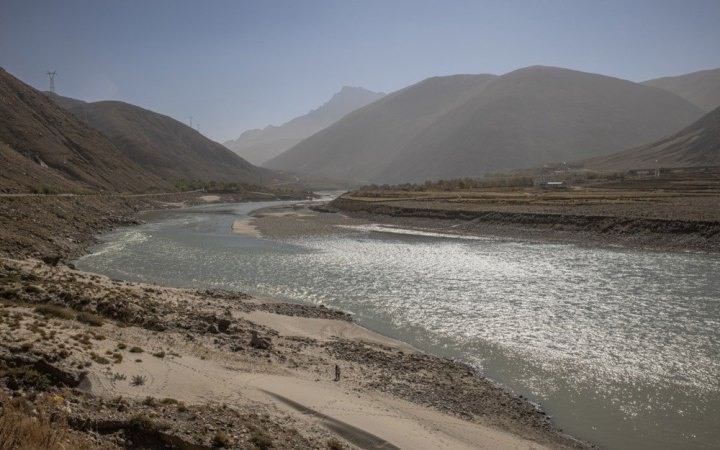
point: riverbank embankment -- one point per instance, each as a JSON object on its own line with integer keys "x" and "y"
{"x": 654, "y": 222}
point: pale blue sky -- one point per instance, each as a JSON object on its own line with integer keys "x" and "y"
{"x": 236, "y": 65}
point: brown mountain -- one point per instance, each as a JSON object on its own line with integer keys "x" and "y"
{"x": 361, "y": 144}
{"x": 470, "y": 125}
{"x": 261, "y": 145}
{"x": 700, "y": 88}
{"x": 163, "y": 145}
{"x": 43, "y": 145}
{"x": 697, "y": 145}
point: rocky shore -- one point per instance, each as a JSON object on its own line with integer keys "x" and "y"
{"x": 91, "y": 362}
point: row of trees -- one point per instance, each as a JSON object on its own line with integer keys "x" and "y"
{"x": 215, "y": 186}
{"x": 456, "y": 184}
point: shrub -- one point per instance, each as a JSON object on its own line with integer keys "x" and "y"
{"x": 7, "y": 293}
{"x": 59, "y": 312}
{"x": 18, "y": 430}
{"x": 334, "y": 444}
{"x": 43, "y": 190}
{"x": 26, "y": 377}
{"x": 99, "y": 359}
{"x": 159, "y": 354}
{"x": 90, "y": 319}
{"x": 31, "y": 289}
{"x": 136, "y": 350}
{"x": 138, "y": 380}
{"x": 261, "y": 440}
{"x": 143, "y": 423}
{"x": 220, "y": 440}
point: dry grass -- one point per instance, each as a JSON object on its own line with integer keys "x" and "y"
{"x": 56, "y": 311}
{"x": 90, "y": 319}
{"x": 20, "y": 431}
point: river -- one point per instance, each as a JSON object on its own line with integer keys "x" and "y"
{"x": 621, "y": 347}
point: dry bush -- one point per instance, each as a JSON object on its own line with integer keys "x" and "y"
{"x": 99, "y": 359}
{"x": 19, "y": 431}
{"x": 56, "y": 311}
{"x": 90, "y": 319}
{"x": 220, "y": 440}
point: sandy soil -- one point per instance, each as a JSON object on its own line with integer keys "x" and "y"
{"x": 355, "y": 413}
{"x": 244, "y": 227}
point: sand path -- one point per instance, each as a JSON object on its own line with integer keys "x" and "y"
{"x": 366, "y": 419}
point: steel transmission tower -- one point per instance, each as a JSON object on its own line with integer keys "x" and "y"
{"x": 51, "y": 75}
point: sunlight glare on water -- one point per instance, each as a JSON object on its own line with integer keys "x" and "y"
{"x": 620, "y": 346}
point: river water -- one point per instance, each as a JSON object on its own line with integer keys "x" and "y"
{"x": 621, "y": 347}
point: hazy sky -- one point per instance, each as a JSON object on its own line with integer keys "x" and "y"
{"x": 236, "y": 65}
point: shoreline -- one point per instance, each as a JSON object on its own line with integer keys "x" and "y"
{"x": 265, "y": 338}
{"x": 653, "y": 234}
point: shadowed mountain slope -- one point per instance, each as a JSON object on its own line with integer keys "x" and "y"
{"x": 364, "y": 142}
{"x": 697, "y": 145}
{"x": 481, "y": 124}
{"x": 700, "y": 88}
{"x": 43, "y": 145}
{"x": 163, "y": 145}
{"x": 261, "y": 145}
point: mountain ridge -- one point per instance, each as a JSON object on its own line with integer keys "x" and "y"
{"x": 43, "y": 146}
{"x": 701, "y": 88}
{"x": 163, "y": 145}
{"x": 438, "y": 95}
{"x": 696, "y": 145}
{"x": 520, "y": 119}
{"x": 262, "y": 144}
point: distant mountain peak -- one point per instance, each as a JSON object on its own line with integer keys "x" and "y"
{"x": 262, "y": 144}
{"x": 347, "y": 88}
{"x": 344, "y": 101}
